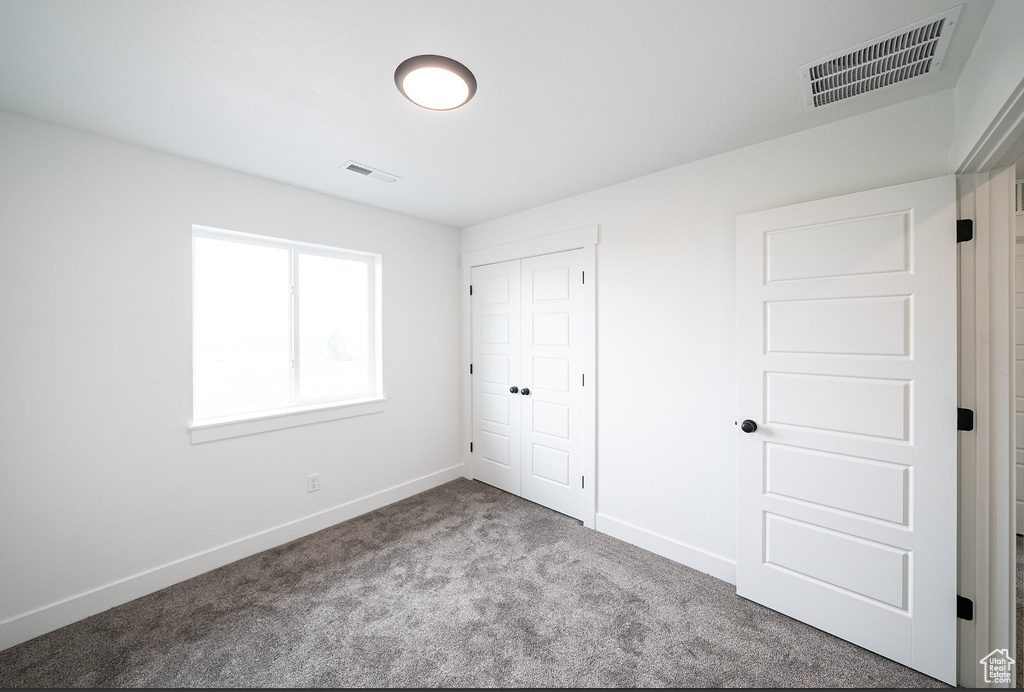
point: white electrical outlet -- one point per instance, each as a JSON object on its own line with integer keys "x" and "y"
{"x": 312, "y": 482}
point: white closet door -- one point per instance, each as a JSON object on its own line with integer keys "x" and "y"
{"x": 552, "y": 371}
{"x": 496, "y": 370}
{"x": 528, "y": 396}
{"x": 847, "y": 497}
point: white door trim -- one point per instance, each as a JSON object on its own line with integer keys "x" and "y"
{"x": 986, "y": 324}
{"x": 987, "y": 498}
{"x": 1019, "y": 360}
{"x": 1003, "y": 139}
{"x": 586, "y": 239}
{"x": 986, "y": 330}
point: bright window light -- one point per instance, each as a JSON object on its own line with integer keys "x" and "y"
{"x": 334, "y": 338}
{"x": 279, "y": 325}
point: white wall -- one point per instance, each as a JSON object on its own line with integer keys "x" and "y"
{"x": 990, "y": 78}
{"x": 102, "y": 496}
{"x": 666, "y": 455}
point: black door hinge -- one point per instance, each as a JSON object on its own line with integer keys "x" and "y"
{"x": 584, "y": 276}
{"x": 964, "y": 419}
{"x": 583, "y": 481}
{"x": 964, "y": 230}
{"x": 470, "y": 368}
{"x": 470, "y": 447}
{"x": 471, "y": 289}
{"x": 964, "y": 608}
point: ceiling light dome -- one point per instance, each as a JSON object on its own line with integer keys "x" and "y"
{"x": 435, "y": 82}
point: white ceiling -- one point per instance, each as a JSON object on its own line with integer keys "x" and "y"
{"x": 573, "y": 95}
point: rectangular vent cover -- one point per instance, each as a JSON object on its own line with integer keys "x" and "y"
{"x": 1018, "y": 188}
{"x": 903, "y": 54}
{"x": 369, "y": 172}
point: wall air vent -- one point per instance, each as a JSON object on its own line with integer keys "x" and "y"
{"x": 1018, "y": 188}
{"x": 900, "y": 55}
{"x": 369, "y": 172}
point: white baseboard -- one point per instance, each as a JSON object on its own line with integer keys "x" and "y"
{"x": 21, "y": 628}
{"x": 701, "y": 560}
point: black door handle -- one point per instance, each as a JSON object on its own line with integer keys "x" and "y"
{"x": 748, "y": 426}
{"x": 513, "y": 389}
{"x": 526, "y": 391}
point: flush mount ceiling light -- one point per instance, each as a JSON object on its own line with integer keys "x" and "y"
{"x": 435, "y": 82}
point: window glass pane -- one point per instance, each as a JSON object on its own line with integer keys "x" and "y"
{"x": 242, "y": 328}
{"x": 334, "y": 321}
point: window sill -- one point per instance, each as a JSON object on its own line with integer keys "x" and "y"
{"x": 224, "y": 428}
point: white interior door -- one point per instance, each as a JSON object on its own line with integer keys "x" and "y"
{"x": 528, "y": 360}
{"x": 847, "y": 364}
{"x": 552, "y": 371}
{"x": 496, "y": 370}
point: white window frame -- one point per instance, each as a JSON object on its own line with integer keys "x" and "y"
{"x": 308, "y": 411}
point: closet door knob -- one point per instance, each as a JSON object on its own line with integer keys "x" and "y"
{"x": 513, "y": 389}
{"x": 526, "y": 391}
{"x": 748, "y": 426}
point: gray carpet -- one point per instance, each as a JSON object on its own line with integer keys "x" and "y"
{"x": 460, "y": 586}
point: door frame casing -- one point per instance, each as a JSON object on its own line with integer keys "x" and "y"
{"x": 585, "y": 239}
{"x": 986, "y": 454}
{"x": 986, "y": 295}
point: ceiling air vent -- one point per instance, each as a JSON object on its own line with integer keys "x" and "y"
{"x": 900, "y": 55}
{"x": 369, "y": 172}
